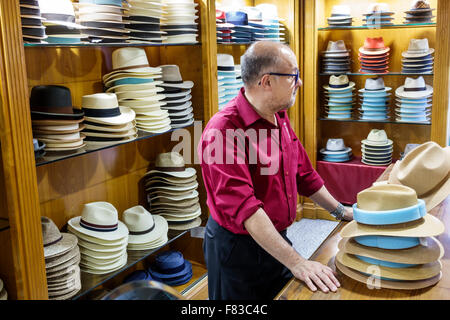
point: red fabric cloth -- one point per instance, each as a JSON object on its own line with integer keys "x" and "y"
{"x": 345, "y": 179}
{"x": 236, "y": 191}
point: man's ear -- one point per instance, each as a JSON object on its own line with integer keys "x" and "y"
{"x": 265, "y": 81}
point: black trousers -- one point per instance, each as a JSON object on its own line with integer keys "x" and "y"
{"x": 238, "y": 268}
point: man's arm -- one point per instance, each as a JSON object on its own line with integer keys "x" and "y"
{"x": 324, "y": 199}
{"x": 312, "y": 273}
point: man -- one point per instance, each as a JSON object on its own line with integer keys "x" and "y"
{"x": 247, "y": 253}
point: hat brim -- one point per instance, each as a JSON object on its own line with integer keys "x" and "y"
{"x": 410, "y": 54}
{"x": 61, "y": 259}
{"x": 67, "y": 243}
{"x": 161, "y": 228}
{"x": 351, "y": 84}
{"x": 400, "y": 91}
{"x": 126, "y": 115}
{"x": 374, "y": 52}
{"x": 187, "y": 268}
{"x": 120, "y": 233}
{"x": 187, "y": 173}
{"x": 185, "y": 225}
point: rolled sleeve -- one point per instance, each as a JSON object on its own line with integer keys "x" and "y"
{"x": 308, "y": 180}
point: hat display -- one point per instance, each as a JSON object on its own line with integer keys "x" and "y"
{"x": 339, "y": 97}
{"x": 374, "y": 100}
{"x": 54, "y": 103}
{"x": 171, "y": 191}
{"x": 336, "y": 151}
{"x": 377, "y": 149}
{"x": 171, "y": 268}
{"x": 418, "y": 58}
{"x": 137, "y": 86}
{"x": 3, "y": 292}
{"x": 228, "y": 82}
{"x": 340, "y": 17}
{"x": 374, "y": 56}
{"x": 264, "y": 17}
{"x": 102, "y": 21}
{"x": 102, "y": 238}
{"x": 413, "y": 101}
{"x": 378, "y": 14}
{"x": 62, "y": 255}
{"x": 177, "y": 96}
{"x": 336, "y": 58}
{"x": 38, "y": 147}
{"x": 384, "y": 215}
{"x": 420, "y": 12}
{"x": 33, "y": 30}
{"x": 241, "y": 32}
{"x": 138, "y": 275}
{"x": 426, "y": 169}
{"x": 180, "y": 21}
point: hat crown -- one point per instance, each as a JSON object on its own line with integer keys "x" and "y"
{"x": 378, "y": 8}
{"x": 386, "y": 197}
{"x": 377, "y": 135}
{"x": 59, "y": 7}
{"x": 171, "y": 73}
{"x": 50, "y": 232}
{"x": 420, "y": 4}
{"x": 237, "y": 17}
{"x": 338, "y": 80}
{"x": 374, "y": 43}
{"x": 374, "y": 83}
{"x": 169, "y": 160}
{"x": 50, "y": 96}
{"x": 100, "y": 101}
{"x": 425, "y": 167}
{"x": 225, "y": 60}
{"x": 169, "y": 260}
{"x": 418, "y": 45}
{"x": 341, "y": 10}
{"x": 268, "y": 11}
{"x": 252, "y": 13}
{"x": 129, "y": 57}
{"x": 419, "y": 82}
{"x": 336, "y": 46}
{"x": 138, "y": 219}
{"x": 335, "y": 144}
{"x": 100, "y": 213}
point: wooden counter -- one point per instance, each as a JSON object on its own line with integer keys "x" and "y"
{"x": 353, "y": 290}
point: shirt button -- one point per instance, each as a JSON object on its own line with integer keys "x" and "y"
{"x": 289, "y": 196}
{"x": 287, "y": 173}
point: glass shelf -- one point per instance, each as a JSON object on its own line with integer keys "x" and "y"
{"x": 377, "y": 74}
{"x": 90, "y": 45}
{"x": 394, "y": 26}
{"x": 4, "y": 224}
{"x": 242, "y": 43}
{"x": 54, "y": 156}
{"x": 376, "y": 121}
{"x": 91, "y": 281}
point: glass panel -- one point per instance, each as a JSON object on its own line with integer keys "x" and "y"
{"x": 394, "y": 26}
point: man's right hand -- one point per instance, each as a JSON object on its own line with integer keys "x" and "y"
{"x": 315, "y": 274}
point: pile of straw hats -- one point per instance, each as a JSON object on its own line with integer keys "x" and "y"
{"x": 413, "y": 101}
{"x": 418, "y": 58}
{"x": 172, "y": 191}
{"x": 144, "y": 21}
{"x": 426, "y": 169}
{"x": 339, "y": 97}
{"x": 102, "y": 21}
{"x": 272, "y": 28}
{"x": 241, "y": 32}
{"x": 340, "y": 17}
{"x": 102, "y": 238}
{"x": 228, "y": 83}
{"x": 374, "y": 56}
{"x": 377, "y": 149}
{"x": 171, "y": 268}
{"x": 55, "y": 121}
{"x": 378, "y": 14}
{"x": 62, "y": 257}
{"x": 146, "y": 231}
{"x": 336, "y": 151}
{"x": 374, "y": 100}
{"x": 177, "y": 96}
{"x": 3, "y": 292}
{"x": 336, "y": 59}
{"x": 420, "y": 12}
{"x": 107, "y": 122}
{"x": 33, "y": 30}
{"x": 391, "y": 241}
{"x": 137, "y": 86}
{"x": 180, "y": 21}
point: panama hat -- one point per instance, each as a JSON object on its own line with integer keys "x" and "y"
{"x": 169, "y": 264}
{"x": 58, "y": 12}
{"x": 374, "y": 46}
{"x": 339, "y": 83}
{"x": 185, "y": 225}
{"x": 172, "y": 163}
{"x": 426, "y": 169}
{"x": 99, "y": 220}
{"x": 171, "y": 77}
{"x": 55, "y": 242}
{"x": 104, "y": 108}
{"x": 414, "y": 88}
{"x": 377, "y": 138}
{"x": 417, "y": 48}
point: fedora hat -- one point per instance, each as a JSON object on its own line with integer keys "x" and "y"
{"x": 339, "y": 83}
{"x": 104, "y": 108}
{"x": 376, "y": 138}
{"x": 335, "y": 146}
{"x": 170, "y": 264}
{"x": 426, "y": 169}
{"x": 336, "y": 47}
{"x": 143, "y": 227}
{"x": 172, "y": 163}
{"x": 58, "y": 12}
{"x": 225, "y": 63}
{"x": 99, "y": 220}
{"x": 55, "y": 242}
{"x": 374, "y": 86}
{"x": 414, "y": 88}
{"x": 374, "y": 46}
{"x": 171, "y": 77}
{"x": 417, "y": 48}
{"x": 340, "y": 12}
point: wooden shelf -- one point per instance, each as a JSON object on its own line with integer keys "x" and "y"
{"x": 94, "y": 45}
{"x": 4, "y": 224}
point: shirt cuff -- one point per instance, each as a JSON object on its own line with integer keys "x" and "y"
{"x": 311, "y": 183}
{"x": 247, "y": 210}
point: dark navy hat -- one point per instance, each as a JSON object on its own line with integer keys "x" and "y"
{"x": 169, "y": 265}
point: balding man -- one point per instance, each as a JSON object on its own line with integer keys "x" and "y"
{"x": 252, "y": 188}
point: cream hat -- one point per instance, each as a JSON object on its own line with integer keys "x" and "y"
{"x": 414, "y": 88}
{"x": 377, "y": 138}
{"x": 171, "y": 163}
{"x": 417, "y": 48}
{"x": 171, "y": 77}
{"x": 104, "y": 108}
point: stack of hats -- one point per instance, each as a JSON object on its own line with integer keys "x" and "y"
{"x": 391, "y": 241}
{"x": 143, "y": 21}
{"x": 3, "y": 292}
{"x": 378, "y": 14}
{"x": 241, "y": 32}
{"x": 60, "y": 21}
{"x": 101, "y": 236}
{"x": 102, "y": 20}
{"x": 336, "y": 151}
{"x": 340, "y": 17}
{"x": 426, "y": 169}
{"x": 171, "y": 191}
{"x": 55, "y": 121}
{"x": 38, "y": 147}
{"x": 336, "y": 59}
{"x": 374, "y": 100}
{"x": 223, "y": 29}
{"x": 374, "y": 56}
{"x": 62, "y": 257}
{"x": 413, "y": 101}
{"x": 418, "y": 58}
{"x": 178, "y": 96}
{"x": 138, "y": 275}
{"x": 377, "y": 149}
{"x": 179, "y": 21}
{"x": 171, "y": 268}
{"x": 268, "y": 23}
{"x": 420, "y": 12}
{"x": 339, "y": 97}
{"x": 146, "y": 231}
{"x": 228, "y": 84}
{"x": 32, "y": 29}
{"x": 133, "y": 81}
{"x": 107, "y": 123}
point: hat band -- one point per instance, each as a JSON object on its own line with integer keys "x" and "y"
{"x": 158, "y": 269}
{"x": 338, "y": 85}
{"x": 97, "y": 227}
{"x": 379, "y": 89}
{"x": 415, "y": 89}
{"x": 53, "y": 242}
{"x": 132, "y": 67}
{"x": 170, "y": 169}
{"x": 102, "y": 113}
{"x": 138, "y": 233}
{"x": 59, "y": 17}
{"x": 174, "y": 82}
{"x": 223, "y": 68}
{"x": 65, "y": 110}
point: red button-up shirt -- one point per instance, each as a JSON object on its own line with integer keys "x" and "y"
{"x": 237, "y": 185}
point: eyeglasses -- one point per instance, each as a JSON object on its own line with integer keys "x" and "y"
{"x": 296, "y": 75}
